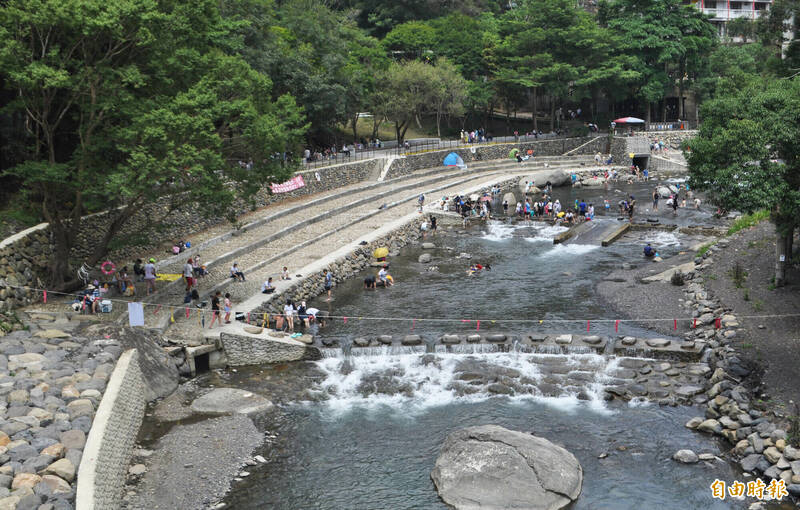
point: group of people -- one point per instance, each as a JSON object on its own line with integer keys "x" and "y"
{"x": 474, "y": 268}
{"x": 383, "y": 278}
{"x": 475, "y": 136}
{"x": 674, "y": 200}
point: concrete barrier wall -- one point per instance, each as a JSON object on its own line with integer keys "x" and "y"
{"x": 243, "y": 349}
{"x": 486, "y": 152}
{"x": 109, "y": 446}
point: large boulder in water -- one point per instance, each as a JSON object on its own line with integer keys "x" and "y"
{"x": 489, "y": 467}
{"x": 511, "y": 199}
{"x": 557, "y": 177}
{"x": 665, "y": 191}
{"x": 221, "y": 401}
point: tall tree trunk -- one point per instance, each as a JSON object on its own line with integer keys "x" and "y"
{"x": 682, "y": 71}
{"x": 355, "y": 131}
{"x": 438, "y": 122}
{"x": 780, "y": 260}
{"x": 649, "y": 110}
{"x": 533, "y": 113}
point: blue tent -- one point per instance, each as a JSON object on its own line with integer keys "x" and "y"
{"x": 454, "y": 159}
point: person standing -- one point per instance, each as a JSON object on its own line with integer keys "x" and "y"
{"x": 631, "y": 205}
{"x": 433, "y": 224}
{"x": 215, "y": 315}
{"x": 656, "y": 196}
{"x": 288, "y": 312}
{"x": 421, "y": 201}
{"x": 227, "y": 305}
{"x": 188, "y": 274}
{"x": 150, "y": 275}
{"x": 328, "y": 282}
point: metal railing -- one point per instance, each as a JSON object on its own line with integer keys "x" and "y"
{"x": 419, "y": 146}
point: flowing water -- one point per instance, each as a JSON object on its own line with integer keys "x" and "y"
{"x": 361, "y": 428}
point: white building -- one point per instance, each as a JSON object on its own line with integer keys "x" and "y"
{"x": 722, "y": 11}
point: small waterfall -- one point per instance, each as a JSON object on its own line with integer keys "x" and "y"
{"x": 468, "y": 348}
{"x": 564, "y": 376}
{"x": 382, "y": 350}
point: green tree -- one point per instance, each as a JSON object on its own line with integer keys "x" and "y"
{"x": 665, "y": 36}
{"x": 746, "y": 156}
{"x": 134, "y": 101}
{"x": 448, "y": 92}
{"x": 413, "y": 89}
{"x": 413, "y": 39}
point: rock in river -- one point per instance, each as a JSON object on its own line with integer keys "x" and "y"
{"x": 221, "y": 401}
{"x": 489, "y": 467}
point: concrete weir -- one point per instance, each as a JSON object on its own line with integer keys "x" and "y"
{"x": 657, "y": 348}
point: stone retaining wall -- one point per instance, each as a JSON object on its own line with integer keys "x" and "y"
{"x": 550, "y": 147}
{"x": 244, "y": 350}
{"x": 109, "y": 445}
{"x": 22, "y": 260}
{"x": 672, "y": 139}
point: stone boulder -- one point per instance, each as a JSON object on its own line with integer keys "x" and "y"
{"x": 222, "y": 401}
{"x": 424, "y": 258}
{"x": 511, "y": 199}
{"x": 489, "y": 467}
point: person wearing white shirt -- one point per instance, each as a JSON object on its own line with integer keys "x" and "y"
{"x": 288, "y": 312}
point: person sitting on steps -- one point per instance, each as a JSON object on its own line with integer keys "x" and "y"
{"x": 236, "y": 273}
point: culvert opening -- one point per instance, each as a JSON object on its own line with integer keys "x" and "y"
{"x": 201, "y": 363}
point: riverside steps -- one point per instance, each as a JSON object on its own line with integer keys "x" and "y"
{"x": 317, "y": 226}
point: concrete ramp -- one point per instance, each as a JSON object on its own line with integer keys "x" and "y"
{"x": 593, "y": 232}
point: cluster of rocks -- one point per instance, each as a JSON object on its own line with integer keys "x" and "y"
{"x": 50, "y": 386}
{"x": 760, "y": 446}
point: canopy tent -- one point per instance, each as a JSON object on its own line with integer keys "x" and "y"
{"x": 454, "y": 159}
{"x": 629, "y": 120}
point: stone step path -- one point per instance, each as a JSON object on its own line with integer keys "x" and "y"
{"x": 244, "y": 248}
{"x": 246, "y": 295}
{"x": 210, "y": 241}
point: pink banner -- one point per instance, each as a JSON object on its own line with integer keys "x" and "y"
{"x": 292, "y": 184}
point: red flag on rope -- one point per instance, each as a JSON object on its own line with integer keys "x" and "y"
{"x": 412, "y": 324}
{"x": 478, "y": 327}
{"x": 675, "y": 323}
{"x": 45, "y": 297}
{"x": 187, "y": 312}
{"x": 694, "y": 324}
{"x": 616, "y": 326}
{"x": 157, "y": 309}
{"x": 248, "y": 317}
{"x": 588, "y": 325}
{"x": 717, "y": 323}
{"x": 345, "y": 320}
